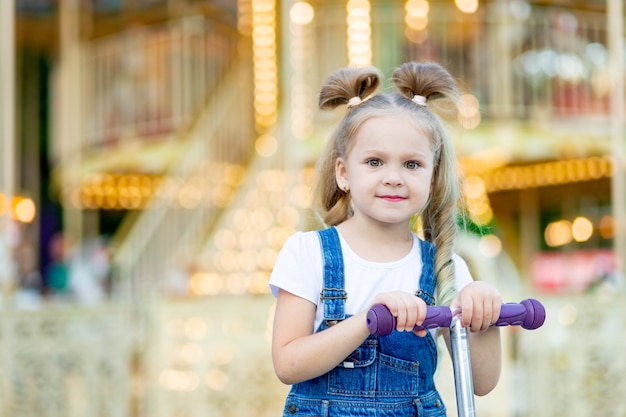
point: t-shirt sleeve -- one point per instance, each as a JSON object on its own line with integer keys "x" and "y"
{"x": 298, "y": 267}
{"x": 462, "y": 272}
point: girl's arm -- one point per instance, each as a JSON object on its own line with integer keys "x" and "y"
{"x": 486, "y": 359}
{"x": 480, "y": 303}
{"x": 299, "y": 354}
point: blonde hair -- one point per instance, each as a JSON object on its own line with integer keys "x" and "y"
{"x": 430, "y": 81}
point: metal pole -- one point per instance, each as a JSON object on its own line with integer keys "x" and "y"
{"x": 69, "y": 120}
{"x": 7, "y": 138}
{"x": 616, "y": 53}
{"x": 463, "y": 383}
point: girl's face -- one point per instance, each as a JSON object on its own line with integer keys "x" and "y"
{"x": 389, "y": 170}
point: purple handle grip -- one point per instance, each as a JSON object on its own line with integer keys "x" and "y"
{"x": 529, "y": 313}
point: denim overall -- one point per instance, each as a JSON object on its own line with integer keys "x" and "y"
{"x": 386, "y": 376}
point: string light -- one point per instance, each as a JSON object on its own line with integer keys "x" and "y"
{"x": 301, "y": 62}
{"x": 582, "y": 229}
{"x": 359, "y": 33}
{"x": 563, "y": 232}
{"x": 467, "y": 6}
{"x": 22, "y": 209}
{"x": 546, "y": 174}
{"x": 416, "y": 20}
{"x": 558, "y": 233}
{"x": 265, "y": 65}
{"x": 469, "y": 114}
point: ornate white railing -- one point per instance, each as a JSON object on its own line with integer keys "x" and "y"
{"x": 65, "y": 361}
{"x": 217, "y": 137}
{"x": 574, "y": 365}
{"x": 522, "y": 62}
{"x": 151, "y": 81}
{"x": 162, "y": 242}
{"x": 211, "y": 357}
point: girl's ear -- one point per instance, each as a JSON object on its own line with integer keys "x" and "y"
{"x": 341, "y": 175}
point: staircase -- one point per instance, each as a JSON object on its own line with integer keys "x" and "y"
{"x": 207, "y": 120}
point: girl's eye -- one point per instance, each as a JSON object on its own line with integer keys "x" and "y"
{"x": 412, "y": 165}
{"x": 374, "y": 162}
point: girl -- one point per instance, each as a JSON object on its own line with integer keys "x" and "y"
{"x": 389, "y": 162}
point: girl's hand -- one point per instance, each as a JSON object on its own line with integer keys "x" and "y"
{"x": 408, "y": 310}
{"x": 480, "y": 304}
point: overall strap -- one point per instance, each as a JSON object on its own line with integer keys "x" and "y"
{"x": 428, "y": 281}
{"x": 333, "y": 294}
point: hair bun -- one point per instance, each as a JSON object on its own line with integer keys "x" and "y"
{"x": 426, "y": 79}
{"x": 347, "y": 83}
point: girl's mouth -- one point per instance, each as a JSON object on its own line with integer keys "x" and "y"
{"x": 393, "y": 198}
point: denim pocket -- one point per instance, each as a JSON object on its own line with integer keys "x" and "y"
{"x": 355, "y": 375}
{"x": 369, "y": 373}
{"x": 396, "y": 377}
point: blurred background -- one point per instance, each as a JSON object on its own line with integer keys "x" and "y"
{"x": 155, "y": 155}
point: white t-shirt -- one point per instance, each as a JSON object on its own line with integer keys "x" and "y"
{"x": 299, "y": 269}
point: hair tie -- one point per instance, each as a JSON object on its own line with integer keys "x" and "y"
{"x": 419, "y": 100}
{"x": 354, "y": 101}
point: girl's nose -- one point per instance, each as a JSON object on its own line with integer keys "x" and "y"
{"x": 392, "y": 177}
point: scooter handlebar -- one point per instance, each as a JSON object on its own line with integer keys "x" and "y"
{"x": 530, "y": 314}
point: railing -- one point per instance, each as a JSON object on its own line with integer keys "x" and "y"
{"x": 575, "y": 365}
{"x": 197, "y": 93}
{"x": 521, "y": 61}
{"x": 65, "y": 361}
{"x": 212, "y": 356}
{"x": 162, "y": 240}
{"x": 151, "y": 82}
